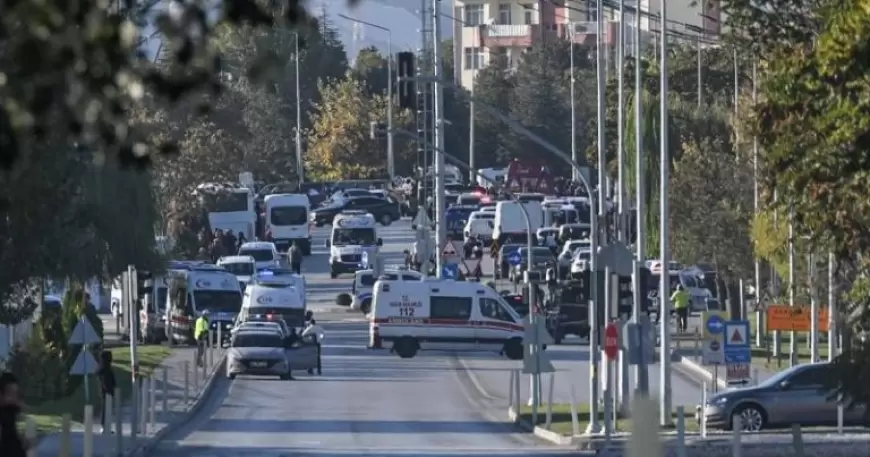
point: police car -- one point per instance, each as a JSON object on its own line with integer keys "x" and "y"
{"x": 243, "y": 266}
{"x": 408, "y": 316}
{"x": 354, "y": 237}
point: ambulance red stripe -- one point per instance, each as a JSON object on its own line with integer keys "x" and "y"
{"x": 418, "y": 322}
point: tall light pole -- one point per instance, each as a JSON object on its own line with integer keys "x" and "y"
{"x": 391, "y": 158}
{"x": 440, "y": 203}
{"x": 665, "y": 286}
{"x": 574, "y": 156}
{"x": 641, "y": 374}
{"x": 620, "y": 125}
{"x": 300, "y": 170}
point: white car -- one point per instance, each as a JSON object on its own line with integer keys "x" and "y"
{"x": 265, "y": 254}
{"x": 480, "y": 225}
{"x": 566, "y": 257}
{"x": 580, "y": 261}
{"x": 545, "y": 234}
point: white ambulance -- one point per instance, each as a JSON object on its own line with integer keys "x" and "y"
{"x": 364, "y": 283}
{"x": 276, "y": 301}
{"x": 354, "y": 233}
{"x": 408, "y": 316}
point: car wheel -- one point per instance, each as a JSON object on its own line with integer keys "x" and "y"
{"x": 513, "y": 349}
{"x": 333, "y": 274}
{"x": 231, "y": 375}
{"x": 386, "y": 220}
{"x": 752, "y": 417}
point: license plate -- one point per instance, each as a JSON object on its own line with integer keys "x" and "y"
{"x": 259, "y": 364}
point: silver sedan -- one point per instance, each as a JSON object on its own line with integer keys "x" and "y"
{"x": 258, "y": 353}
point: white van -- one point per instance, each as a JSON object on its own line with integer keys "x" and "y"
{"x": 287, "y": 221}
{"x": 364, "y": 283}
{"x": 436, "y": 314}
{"x": 273, "y": 300}
{"x": 353, "y": 233}
{"x": 510, "y": 223}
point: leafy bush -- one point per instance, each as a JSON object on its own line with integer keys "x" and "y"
{"x": 38, "y": 365}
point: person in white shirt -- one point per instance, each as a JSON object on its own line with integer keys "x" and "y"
{"x": 315, "y": 331}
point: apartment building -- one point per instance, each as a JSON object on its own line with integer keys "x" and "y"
{"x": 485, "y": 27}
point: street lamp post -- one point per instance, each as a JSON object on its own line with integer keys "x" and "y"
{"x": 391, "y": 162}
{"x": 300, "y": 171}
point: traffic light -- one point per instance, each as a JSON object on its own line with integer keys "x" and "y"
{"x": 144, "y": 282}
{"x": 407, "y": 89}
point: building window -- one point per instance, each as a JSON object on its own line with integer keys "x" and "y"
{"x": 473, "y": 58}
{"x": 529, "y": 14}
{"x": 473, "y": 15}
{"x": 504, "y": 13}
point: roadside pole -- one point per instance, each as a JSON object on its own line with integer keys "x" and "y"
{"x": 131, "y": 298}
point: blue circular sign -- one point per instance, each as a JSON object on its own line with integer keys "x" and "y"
{"x": 714, "y": 345}
{"x": 715, "y": 324}
{"x": 515, "y": 258}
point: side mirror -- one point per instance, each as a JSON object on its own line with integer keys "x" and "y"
{"x": 380, "y": 242}
{"x": 784, "y": 385}
{"x": 326, "y": 243}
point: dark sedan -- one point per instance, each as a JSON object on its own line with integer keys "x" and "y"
{"x": 382, "y": 209}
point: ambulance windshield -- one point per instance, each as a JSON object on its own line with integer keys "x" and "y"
{"x": 353, "y": 236}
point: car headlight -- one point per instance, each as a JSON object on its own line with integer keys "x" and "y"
{"x": 720, "y": 401}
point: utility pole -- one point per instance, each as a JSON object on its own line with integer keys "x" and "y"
{"x": 424, "y": 127}
{"x": 759, "y": 315}
{"x": 440, "y": 228}
{"x": 472, "y": 166}
{"x": 620, "y": 127}
{"x": 665, "y": 286}
{"x": 791, "y": 286}
{"x": 641, "y": 374}
{"x": 833, "y": 329}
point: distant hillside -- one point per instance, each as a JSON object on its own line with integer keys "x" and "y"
{"x": 400, "y": 16}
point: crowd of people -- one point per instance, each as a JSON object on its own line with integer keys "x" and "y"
{"x": 214, "y": 245}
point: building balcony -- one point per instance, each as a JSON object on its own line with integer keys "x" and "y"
{"x": 585, "y": 32}
{"x": 509, "y": 36}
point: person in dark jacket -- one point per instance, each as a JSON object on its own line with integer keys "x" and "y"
{"x": 294, "y": 256}
{"x": 12, "y": 444}
{"x": 106, "y": 376}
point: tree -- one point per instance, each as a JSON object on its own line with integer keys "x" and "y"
{"x": 539, "y": 100}
{"x": 372, "y": 68}
{"x": 812, "y": 126}
{"x": 61, "y": 60}
{"x": 711, "y": 201}
{"x": 340, "y": 143}
{"x": 493, "y": 86}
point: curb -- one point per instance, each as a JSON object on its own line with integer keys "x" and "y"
{"x": 699, "y": 370}
{"x": 151, "y": 443}
{"x": 538, "y": 431}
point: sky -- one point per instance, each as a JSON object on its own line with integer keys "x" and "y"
{"x": 400, "y": 16}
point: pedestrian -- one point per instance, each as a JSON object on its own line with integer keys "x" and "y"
{"x": 316, "y": 332}
{"x": 12, "y": 444}
{"x": 201, "y": 336}
{"x": 294, "y": 256}
{"x": 106, "y": 376}
{"x": 240, "y": 240}
{"x": 681, "y": 300}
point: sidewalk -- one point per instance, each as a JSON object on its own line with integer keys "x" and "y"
{"x": 177, "y": 409}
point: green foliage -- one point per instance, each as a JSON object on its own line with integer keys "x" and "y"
{"x": 45, "y": 374}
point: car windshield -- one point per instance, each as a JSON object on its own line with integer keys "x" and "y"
{"x": 218, "y": 301}
{"x": 260, "y": 255}
{"x": 239, "y": 268}
{"x": 367, "y": 280}
{"x": 289, "y": 215}
{"x": 353, "y": 237}
{"x": 508, "y": 248}
{"x": 257, "y": 340}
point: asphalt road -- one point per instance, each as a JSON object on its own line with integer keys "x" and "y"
{"x": 366, "y": 403}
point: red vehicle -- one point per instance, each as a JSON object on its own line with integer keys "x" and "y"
{"x": 529, "y": 176}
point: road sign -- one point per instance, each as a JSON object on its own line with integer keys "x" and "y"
{"x": 84, "y": 364}
{"x": 712, "y": 352}
{"x": 84, "y": 333}
{"x": 450, "y": 271}
{"x": 364, "y": 259}
{"x": 736, "y": 343}
{"x": 449, "y": 250}
{"x": 797, "y": 318}
{"x": 514, "y": 258}
{"x": 737, "y": 373}
{"x": 637, "y": 338}
{"x": 714, "y": 324}
{"x": 611, "y": 341}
